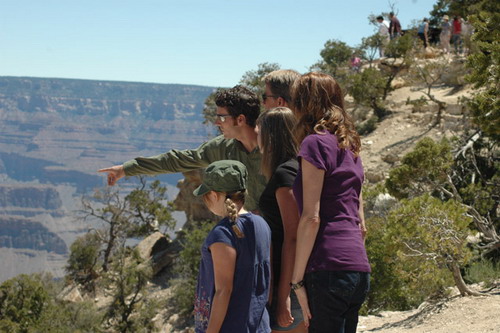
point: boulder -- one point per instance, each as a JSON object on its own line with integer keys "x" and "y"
{"x": 398, "y": 83}
{"x": 374, "y": 176}
{"x": 393, "y": 65}
{"x": 431, "y": 52}
{"x": 384, "y": 202}
{"x": 70, "y": 294}
{"x": 156, "y": 241}
{"x": 193, "y": 206}
{"x": 390, "y": 158}
{"x": 156, "y": 247}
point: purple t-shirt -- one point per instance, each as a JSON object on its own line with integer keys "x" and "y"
{"x": 339, "y": 244}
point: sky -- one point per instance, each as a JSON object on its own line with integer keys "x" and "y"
{"x": 200, "y": 42}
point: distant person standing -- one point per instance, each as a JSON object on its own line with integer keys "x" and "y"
{"x": 467, "y": 31}
{"x": 383, "y": 32}
{"x": 456, "y": 34}
{"x": 423, "y": 32}
{"x": 394, "y": 26}
{"x": 445, "y": 35}
{"x": 355, "y": 63}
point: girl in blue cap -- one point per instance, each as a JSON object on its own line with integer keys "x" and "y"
{"x": 234, "y": 278}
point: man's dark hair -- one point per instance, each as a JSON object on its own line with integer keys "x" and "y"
{"x": 380, "y": 18}
{"x": 239, "y": 100}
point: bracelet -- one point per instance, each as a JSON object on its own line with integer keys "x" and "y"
{"x": 297, "y": 285}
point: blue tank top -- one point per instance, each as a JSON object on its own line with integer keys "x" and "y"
{"x": 247, "y": 305}
{"x": 421, "y": 28}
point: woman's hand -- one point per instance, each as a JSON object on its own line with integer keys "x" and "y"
{"x": 284, "y": 314}
{"x": 304, "y": 304}
{"x": 362, "y": 227}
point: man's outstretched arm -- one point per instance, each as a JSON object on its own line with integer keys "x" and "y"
{"x": 170, "y": 162}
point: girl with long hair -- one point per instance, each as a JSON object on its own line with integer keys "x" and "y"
{"x": 235, "y": 272}
{"x": 278, "y": 207}
{"x": 331, "y": 271}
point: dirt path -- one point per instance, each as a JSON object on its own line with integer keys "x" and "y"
{"x": 457, "y": 315}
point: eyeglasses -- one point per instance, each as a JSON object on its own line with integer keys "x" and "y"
{"x": 222, "y": 117}
{"x": 264, "y": 96}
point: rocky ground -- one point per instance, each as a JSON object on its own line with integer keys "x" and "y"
{"x": 456, "y": 314}
{"x": 398, "y": 133}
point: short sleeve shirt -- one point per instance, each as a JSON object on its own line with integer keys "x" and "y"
{"x": 395, "y": 26}
{"x": 446, "y": 28}
{"x": 339, "y": 244}
{"x": 247, "y": 305}
{"x": 284, "y": 176}
{"x": 383, "y": 29}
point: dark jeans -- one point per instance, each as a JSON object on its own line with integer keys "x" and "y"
{"x": 422, "y": 37}
{"x": 335, "y": 299}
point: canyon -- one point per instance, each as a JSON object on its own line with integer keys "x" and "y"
{"x": 54, "y": 136}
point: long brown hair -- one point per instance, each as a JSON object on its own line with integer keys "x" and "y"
{"x": 318, "y": 104}
{"x": 278, "y": 142}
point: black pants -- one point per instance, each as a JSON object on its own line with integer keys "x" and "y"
{"x": 335, "y": 298}
{"x": 422, "y": 37}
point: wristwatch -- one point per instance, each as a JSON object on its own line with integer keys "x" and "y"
{"x": 297, "y": 285}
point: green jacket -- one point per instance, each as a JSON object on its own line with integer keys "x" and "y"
{"x": 191, "y": 159}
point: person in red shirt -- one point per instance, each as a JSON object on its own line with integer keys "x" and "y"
{"x": 394, "y": 26}
{"x": 456, "y": 34}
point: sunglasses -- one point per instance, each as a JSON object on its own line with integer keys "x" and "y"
{"x": 222, "y": 117}
{"x": 264, "y": 96}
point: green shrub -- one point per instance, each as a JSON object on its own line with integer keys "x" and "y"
{"x": 367, "y": 126}
{"x": 28, "y": 303}
{"x": 368, "y": 89}
{"x": 127, "y": 281}
{"x": 334, "y": 56}
{"x": 187, "y": 267}
{"x": 417, "y": 104}
{"x": 387, "y": 291}
{"x": 23, "y": 299}
{"x": 83, "y": 260}
{"x": 402, "y": 47}
{"x": 413, "y": 250}
{"x": 485, "y": 271}
{"x": 422, "y": 170}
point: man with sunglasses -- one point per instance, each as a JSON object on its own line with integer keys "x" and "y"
{"x": 237, "y": 112}
{"x": 278, "y": 85}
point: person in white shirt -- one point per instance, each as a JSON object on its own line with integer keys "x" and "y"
{"x": 383, "y": 31}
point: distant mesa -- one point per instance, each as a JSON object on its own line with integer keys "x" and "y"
{"x": 29, "y": 196}
{"x": 21, "y": 233}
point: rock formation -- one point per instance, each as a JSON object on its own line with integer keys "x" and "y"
{"x": 57, "y": 133}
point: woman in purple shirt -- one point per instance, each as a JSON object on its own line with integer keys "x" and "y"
{"x": 331, "y": 271}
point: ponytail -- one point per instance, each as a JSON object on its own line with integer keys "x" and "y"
{"x": 232, "y": 210}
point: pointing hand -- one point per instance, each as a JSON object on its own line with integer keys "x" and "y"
{"x": 114, "y": 174}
